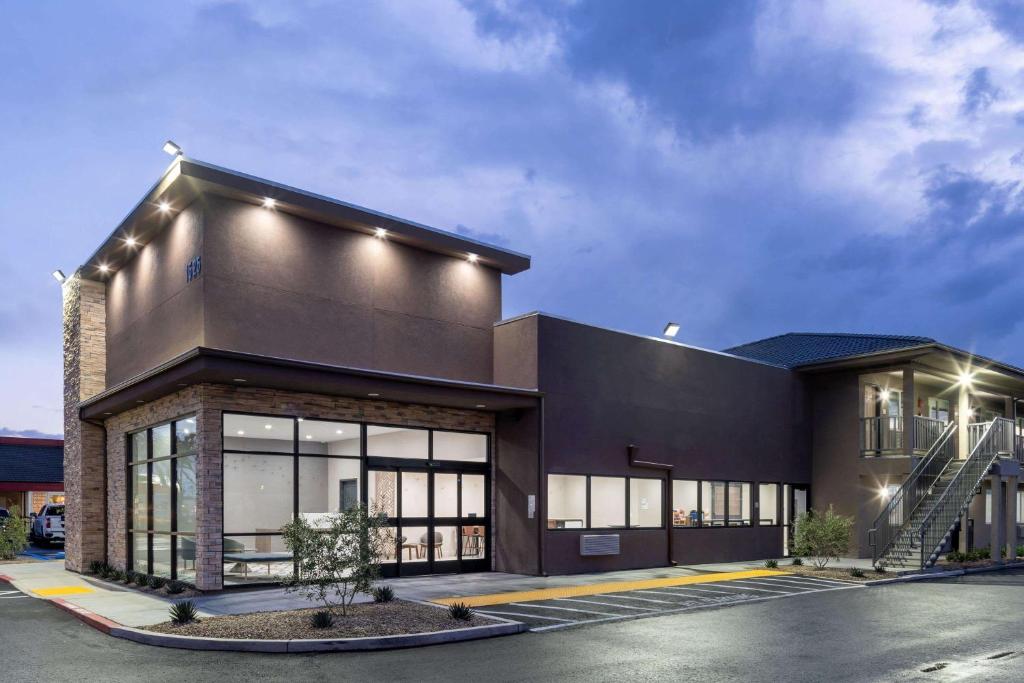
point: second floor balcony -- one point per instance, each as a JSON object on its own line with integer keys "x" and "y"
{"x": 887, "y": 435}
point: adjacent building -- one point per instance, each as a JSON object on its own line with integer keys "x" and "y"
{"x": 31, "y": 473}
{"x": 239, "y": 353}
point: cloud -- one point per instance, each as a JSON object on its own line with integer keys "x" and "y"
{"x": 979, "y": 92}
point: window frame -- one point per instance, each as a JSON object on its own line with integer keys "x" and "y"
{"x": 778, "y": 503}
{"x": 588, "y": 525}
{"x": 130, "y": 463}
{"x": 755, "y": 503}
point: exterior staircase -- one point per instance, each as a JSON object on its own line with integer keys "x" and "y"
{"x": 920, "y": 517}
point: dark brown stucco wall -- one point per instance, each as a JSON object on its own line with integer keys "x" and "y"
{"x": 710, "y": 416}
{"x": 515, "y": 479}
{"x": 283, "y": 286}
{"x": 153, "y": 314}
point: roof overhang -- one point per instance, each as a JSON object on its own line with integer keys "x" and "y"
{"x": 186, "y": 179}
{"x": 946, "y": 362}
{"x": 216, "y": 366}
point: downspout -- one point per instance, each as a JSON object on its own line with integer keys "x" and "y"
{"x": 666, "y": 511}
{"x": 542, "y": 496}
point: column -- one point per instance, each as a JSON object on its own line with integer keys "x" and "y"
{"x": 1011, "y": 518}
{"x": 209, "y": 495}
{"x": 997, "y": 531}
{"x": 85, "y": 367}
{"x": 963, "y": 415}
{"x": 909, "y": 404}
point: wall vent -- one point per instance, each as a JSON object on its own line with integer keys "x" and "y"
{"x": 592, "y": 545}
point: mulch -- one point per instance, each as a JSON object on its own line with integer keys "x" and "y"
{"x": 363, "y": 620}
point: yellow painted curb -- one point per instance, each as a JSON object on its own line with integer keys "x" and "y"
{"x": 610, "y": 587}
{"x": 57, "y": 591}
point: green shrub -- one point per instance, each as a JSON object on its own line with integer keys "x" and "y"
{"x": 880, "y": 568}
{"x": 322, "y": 619}
{"x": 383, "y": 594}
{"x": 157, "y": 582}
{"x": 857, "y": 572}
{"x": 955, "y": 556}
{"x": 105, "y": 571}
{"x": 336, "y": 563}
{"x": 116, "y": 575}
{"x": 175, "y": 587}
{"x": 129, "y": 576}
{"x": 96, "y": 566}
{"x": 184, "y": 612}
{"x": 797, "y": 562}
{"x": 460, "y": 610}
{"x": 12, "y": 535}
{"x": 823, "y": 536}
{"x": 141, "y": 580}
{"x": 771, "y": 564}
{"x": 1020, "y": 551}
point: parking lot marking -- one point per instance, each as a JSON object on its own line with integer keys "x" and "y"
{"x": 690, "y": 589}
{"x": 584, "y": 590}
{"x": 62, "y": 590}
{"x": 633, "y": 597}
{"x": 802, "y": 584}
{"x": 779, "y": 585}
{"x": 564, "y": 609}
{"x": 527, "y": 616}
{"x": 829, "y": 582}
{"x": 608, "y": 604}
{"x": 764, "y": 590}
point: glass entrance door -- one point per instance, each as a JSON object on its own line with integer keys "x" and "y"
{"x": 437, "y": 518}
{"x": 795, "y": 501}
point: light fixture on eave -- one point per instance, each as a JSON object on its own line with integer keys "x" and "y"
{"x": 472, "y": 258}
{"x": 380, "y": 233}
{"x": 172, "y": 148}
{"x": 269, "y": 203}
{"x": 164, "y": 207}
{"x": 965, "y": 378}
{"x": 59, "y": 276}
{"x": 671, "y": 330}
{"x": 130, "y": 241}
{"x": 103, "y": 268}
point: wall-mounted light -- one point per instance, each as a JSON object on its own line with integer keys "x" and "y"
{"x": 472, "y": 258}
{"x": 59, "y": 275}
{"x": 130, "y": 241}
{"x": 884, "y": 395}
{"x": 104, "y": 268}
{"x": 671, "y": 330}
{"x": 965, "y": 378}
{"x": 164, "y": 207}
{"x": 269, "y": 202}
{"x": 171, "y": 148}
{"x": 380, "y": 233}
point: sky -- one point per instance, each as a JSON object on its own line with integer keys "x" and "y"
{"x": 742, "y": 168}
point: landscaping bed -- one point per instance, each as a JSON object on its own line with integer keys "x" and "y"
{"x": 397, "y": 617}
{"x": 834, "y": 573}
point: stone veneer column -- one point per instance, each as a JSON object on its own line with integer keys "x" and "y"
{"x": 209, "y": 497}
{"x": 85, "y": 367}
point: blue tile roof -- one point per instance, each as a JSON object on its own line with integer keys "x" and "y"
{"x": 31, "y": 463}
{"x": 803, "y": 348}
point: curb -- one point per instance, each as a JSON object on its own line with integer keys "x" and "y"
{"x": 112, "y": 628}
{"x": 945, "y": 574}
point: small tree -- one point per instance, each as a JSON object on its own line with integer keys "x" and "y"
{"x": 12, "y": 535}
{"x": 337, "y": 562}
{"x": 822, "y": 536}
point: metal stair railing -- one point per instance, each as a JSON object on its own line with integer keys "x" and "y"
{"x": 995, "y": 439}
{"x": 886, "y": 529}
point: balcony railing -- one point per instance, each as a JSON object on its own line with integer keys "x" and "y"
{"x": 1018, "y": 447}
{"x": 885, "y": 434}
{"x": 1002, "y": 440}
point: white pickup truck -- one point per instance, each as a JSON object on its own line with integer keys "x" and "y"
{"x": 48, "y": 525}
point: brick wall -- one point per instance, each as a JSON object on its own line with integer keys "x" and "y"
{"x": 208, "y": 402}
{"x": 84, "y": 342}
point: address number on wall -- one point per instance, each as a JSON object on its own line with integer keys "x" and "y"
{"x": 193, "y": 268}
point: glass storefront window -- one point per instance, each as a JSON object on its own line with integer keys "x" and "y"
{"x": 460, "y": 446}
{"x": 712, "y": 496}
{"x": 397, "y": 442}
{"x": 161, "y": 495}
{"x": 473, "y": 499}
{"x": 140, "y": 448}
{"x": 140, "y": 553}
{"x": 414, "y": 494}
{"x": 258, "y": 492}
{"x": 474, "y": 542}
{"x": 327, "y": 486}
{"x": 274, "y": 564}
{"x": 255, "y": 433}
{"x": 185, "y": 436}
{"x": 607, "y": 502}
{"x": 567, "y": 501}
{"x": 161, "y": 441}
{"x": 417, "y": 543}
{"x": 446, "y": 546}
{"x": 186, "y": 554}
{"x": 645, "y": 502}
{"x": 685, "y": 511}
{"x": 739, "y": 504}
{"x": 140, "y": 491}
{"x": 382, "y": 492}
{"x": 186, "y": 489}
{"x": 329, "y": 438}
{"x": 768, "y": 504}
{"x": 446, "y": 495}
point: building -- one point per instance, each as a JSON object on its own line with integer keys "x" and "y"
{"x": 238, "y": 353}
{"x": 31, "y": 473}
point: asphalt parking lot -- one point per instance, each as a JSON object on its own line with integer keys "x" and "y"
{"x": 565, "y": 612}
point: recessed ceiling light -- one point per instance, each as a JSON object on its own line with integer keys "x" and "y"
{"x": 338, "y": 431}
{"x": 130, "y": 241}
{"x": 373, "y": 395}
{"x": 309, "y": 436}
{"x": 481, "y": 405}
{"x": 269, "y": 202}
{"x": 104, "y": 268}
{"x": 241, "y": 432}
{"x": 380, "y": 233}
{"x": 472, "y": 258}
{"x": 238, "y": 379}
{"x": 164, "y": 207}
{"x": 140, "y": 401}
{"x": 108, "y": 413}
{"x": 268, "y": 426}
{"x": 300, "y": 419}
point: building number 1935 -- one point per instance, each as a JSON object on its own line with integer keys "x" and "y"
{"x": 193, "y": 268}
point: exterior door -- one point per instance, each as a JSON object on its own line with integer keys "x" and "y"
{"x": 795, "y": 502}
{"x": 437, "y": 518}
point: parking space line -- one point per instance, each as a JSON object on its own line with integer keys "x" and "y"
{"x": 624, "y": 597}
{"x": 564, "y": 609}
{"x": 765, "y": 590}
{"x": 608, "y": 604}
{"x": 677, "y": 595}
{"x": 526, "y": 616}
{"x": 702, "y": 590}
{"x": 812, "y": 579}
{"x": 802, "y": 584}
{"x": 778, "y": 585}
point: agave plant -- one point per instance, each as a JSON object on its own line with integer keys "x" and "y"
{"x": 322, "y": 619}
{"x": 771, "y": 564}
{"x": 157, "y": 582}
{"x": 175, "y": 587}
{"x": 141, "y": 579}
{"x": 460, "y": 610}
{"x": 383, "y": 594}
{"x": 184, "y": 612}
